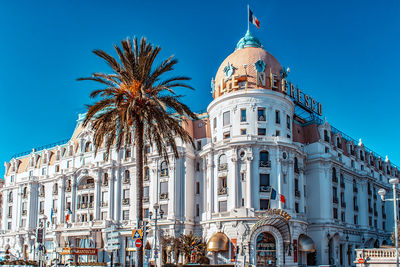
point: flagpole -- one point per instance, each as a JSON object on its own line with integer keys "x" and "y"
{"x": 248, "y": 18}
{"x": 270, "y": 194}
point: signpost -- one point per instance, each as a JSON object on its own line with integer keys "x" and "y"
{"x": 113, "y": 242}
{"x": 361, "y": 261}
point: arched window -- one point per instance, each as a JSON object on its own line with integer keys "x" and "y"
{"x": 71, "y": 150}
{"x": 339, "y": 142}
{"x": 126, "y": 176}
{"x": 105, "y": 179}
{"x": 88, "y": 146}
{"x": 264, "y": 159}
{"x": 222, "y": 162}
{"x": 25, "y": 192}
{"x": 164, "y": 168}
{"x": 334, "y": 172}
{"x": 55, "y": 189}
{"x": 296, "y": 165}
{"x": 58, "y": 155}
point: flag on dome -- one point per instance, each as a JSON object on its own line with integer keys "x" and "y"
{"x": 253, "y": 19}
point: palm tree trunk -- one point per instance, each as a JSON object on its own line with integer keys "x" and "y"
{"x": 139, "y": 183}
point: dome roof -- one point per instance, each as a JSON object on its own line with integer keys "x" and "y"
{"x": 218, "y": 242}
{"x": 248, "y": 58}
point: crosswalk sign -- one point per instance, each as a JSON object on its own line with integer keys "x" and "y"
{"x": 137, "y": 234}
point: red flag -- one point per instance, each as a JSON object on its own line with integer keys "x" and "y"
{"x": 253, "y": 19}
{"x": 282, "y": 199}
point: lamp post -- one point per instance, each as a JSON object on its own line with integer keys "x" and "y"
{"x": 382, "y": 193}
{"x": 156, "y": 208}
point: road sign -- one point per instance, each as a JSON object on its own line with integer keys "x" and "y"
{"x": 113, "y": 234}
{"x": 138, "y": 243}
{"x": 137, "y": 233}
{"x": 112, "y": 248}
{"x": 362, "y": 261}
{"x": 113, "y": 241}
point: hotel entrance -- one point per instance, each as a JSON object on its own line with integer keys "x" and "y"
{"x": 266, "y": 250}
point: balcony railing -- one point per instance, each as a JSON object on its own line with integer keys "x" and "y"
{"x": 125, "y": 201}
{"x": 164, "y": 173}
{"x": 343, "y": 204}
{"x": 85, "y": 186}
{"x": 335, "y": 200}
{"x": 297, "y": 193}
{"x": 265, "y": 163}
{"x": 334, "y": 179}
{"x": 164, "y": 195}
{"x": 126, "y": 180}
{"x": 355, "y": 189}
{"x": 265, "y": 188}
{"x": 223, "y": 166}
{"x": 222, "y": 191}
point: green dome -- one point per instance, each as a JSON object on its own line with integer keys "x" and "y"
{"x": 248, "y": 41}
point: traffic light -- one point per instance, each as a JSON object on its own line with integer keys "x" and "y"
{"x": 39, "y": 235}
{"x": 146, "y": 227}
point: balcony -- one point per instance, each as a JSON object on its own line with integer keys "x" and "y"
{"x": 85, "y": 186}
{"x": 105, "y": 183}
{"x": 222, "y": 191}
{"x": 24, "y": 212}
{"x": 335, "y": 200}
{"x": 41, "y": 194}
{"x": 146, "y": 178}
{"x": 41, "y": 212}
{"x": 125, "y": 201}
{"x": 126, "y": 180}
{"x": 223, "y": 166}
{"x": 55, "y": 192}
{"x": 342, "y": 185}
{"x": 104, "y": 204}
{"x": 265, "y": 163}
{"x": 68, "y": 189}
{"x": 164, "y": 195}
{"x": 146, "y": 199}
{"x": 297, "y": 193}
{"x": 343, "y": 204}
{"x": 265, "y": 188}
{"x": 356, "y": 208}
{"x": 164, "y": 173}
{"x": 355, "y": 189}
{"x": 334, "y": 179}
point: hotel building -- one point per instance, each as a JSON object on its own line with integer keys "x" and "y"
{"x": 265, "y": 184}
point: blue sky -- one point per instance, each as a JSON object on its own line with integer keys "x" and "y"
{"x": 344, "y": 53}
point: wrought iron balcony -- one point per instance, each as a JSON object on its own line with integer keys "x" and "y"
{"x": 164, "y": 195}
{"x": 265, "y": 188}
{"x": 125, "y": 201}
{"x": 126, "y": 180}
{"x": 297, "y": 193}
{"x": 223, "y": 166}
{"x": 343, "y": 204}
{"x": 222, "y": 191}
{"x": 335, "y": 200}
{"x": 265, "y": 163}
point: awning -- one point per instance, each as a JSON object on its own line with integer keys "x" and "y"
{"x": 306, "y": 244}
{"x": 278, "y": 219}
{"x": 218, "y": 242}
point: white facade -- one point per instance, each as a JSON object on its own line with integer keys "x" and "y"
{"x": 249, "y": 145}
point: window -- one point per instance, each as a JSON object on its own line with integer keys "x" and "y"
{"x": 343, "y": 216}
{"x": 164, "y": 168}
{"x": 215, "y": 123}
{"x": 243, "y": 131}
{"x": 326, "y": 150}
{"x": 54, "y": 204}
{"x": 57, "y": 168}
{"x": 264, "y": 203}
{"x": 197, "y": 210}
{"x": 88, "y": 147}
{"x": 339, "y": 142}
{"x": 352, "y": 163}
{"x": 164, "y": 209}
{"x": 264, "y": 159}
{"x": 335, "y": 213}
{"x": 104, "y": 215}
{"x": 243, "y": 116}
{"x": 227, "y": 135}
{"x": 277, "y": 133}
{"x": 197, "y": 188}
{"x": 9, "y": 225}
{"x": 296, "y": 207}
{"x": 261, "y": 131}
{"x": 277, "y": 117}
{"x": 326, "y": 136}
{"x": 10, "y": 197}
{"x": 264, "y": 182}
{"x": 222, "y": 206}
{"x": 296, "y": 165}
{"x": 146, "y": 213}
{"x": 226, "y": 119}
{"x": 9, "y": 211}
{"x": 125, "y": 193}
{"x": 43, "y": 171}
{"x": 222, "y": 162}
{"x": 41, "y": 207}
{"x": 288, "y": 122}
{"x": 342, "y": 197}
{"x": 127, "y": 153}
{"x": 199, "y": 145}
{"x": 261, "y": 114}
{"x": 126, "y": 175}
{"x": 370, "y": 221}
{"x": 163, "y": 190}
{"x": 125, "y": 215}
{"x": 296, "y": 184}
{"x": 198, "y": 166}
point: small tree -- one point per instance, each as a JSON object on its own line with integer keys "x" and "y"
{"x": 192, "y": 244}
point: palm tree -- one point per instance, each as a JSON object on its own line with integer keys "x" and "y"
{"x": 191, "y": 243}
{"x": 137, "y": 101}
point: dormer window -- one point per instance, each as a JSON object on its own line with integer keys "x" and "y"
{"x": 361, "y": 155}
{"x": 339, "y": 142}
{"x": 326, "y": 136}
{"x": 58, "y": 155}
{"x": 88, "y": 146}
{"x": 71, "y": 150}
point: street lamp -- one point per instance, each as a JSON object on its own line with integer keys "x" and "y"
{"x": 382, "y": 193}
{"x": 156, "y": 208}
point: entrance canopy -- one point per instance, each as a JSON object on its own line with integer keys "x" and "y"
{"x": 276, "y": 219}
{"x": 306, "y": 244}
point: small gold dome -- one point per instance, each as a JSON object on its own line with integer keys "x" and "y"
{"x": 218, "y": 242}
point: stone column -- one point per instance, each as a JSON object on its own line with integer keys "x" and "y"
{"x": 249, "y": 201}
{"x": 19, "y": 205}
{"x": 234, "y": 196}
{"x": 290, "y": 180}
{"x": 97, "y": 195}
{"x": 301, "y": 189}
{"x": 279, "y": 174}
{"x": 111, "y": 195}
{"x": 117, "y": 197}
{"x": 73, "y": 198}
{"x": 61, "y": 201}
{"x": 210, "y": 182}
